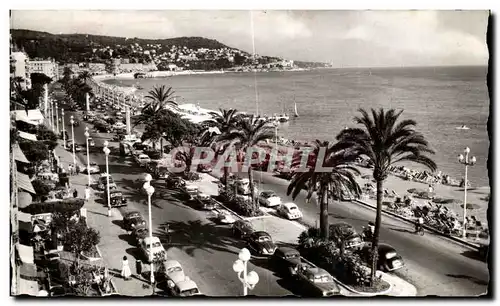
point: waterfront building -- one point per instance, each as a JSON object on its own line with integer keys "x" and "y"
{"x": 48, "y": 67}
{"x": 19, "y": 68}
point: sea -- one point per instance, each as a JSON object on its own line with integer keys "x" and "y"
{"x": 439, "y": 99}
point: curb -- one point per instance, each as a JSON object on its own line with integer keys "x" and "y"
{"x": 455, "y": 239}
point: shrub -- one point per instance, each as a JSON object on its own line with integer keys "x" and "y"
{"x": 66, "y": 205}
{"x": 47, "y": 136}
{"x": 346, "y": 266}
{"x": 191, "y": 176}
{"x": 41, "y": 188}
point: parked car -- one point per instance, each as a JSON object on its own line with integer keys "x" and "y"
{"x": 140, "y": 232}
{"x": 242, "y": 228}
{"x": 119, "y": 125}
{"x": 93, "y": 169}
{"x": 269, "y": 198}
{"x": 225, "y": 217}
{"x": 184, "y": 288}
{"x": 172, "y": 271}
{"x": 316, "y": 281}
{"x": 154, "y": 155}
{"x": 133, "y": 220}
{"x": 142, "y": 160}
{"x": 153, "y": 244}
{"x": 139, "y": 146}
{"x": 116, "y": 198}
{"x": 91, "y": 142}
{"x": 388, "y": 258}
{"x": 204, "y": 201}
{"x": 289, "y": 211}
{"x": 191, "y": 189}
{"x": 174, "y": 181}
{"x": 347, "y": 233}
{"x": 261, "y": 243}
{"x": 285, "y": 260}
{"x": 102, "y": 183}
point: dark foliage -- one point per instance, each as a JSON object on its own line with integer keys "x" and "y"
{"x": 67, "y": 205}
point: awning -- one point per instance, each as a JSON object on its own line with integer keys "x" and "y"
{"x": 24, "y": 222}
{"x": 24, "y": 199}
{"x": 27, "y": 136}
{"x": 23, "y": 182}
{"x": 33, "y": 115}
{"x": 25, "y": 253}
{"x": 18, "y": 154}
{"x": 27, "y": 284}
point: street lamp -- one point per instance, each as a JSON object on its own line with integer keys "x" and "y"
{"x": 106, "y": 152}
{"x": 73, "y": 139}
{"x": 87, "y": 135}
{"x": 63, "y": 130}
{"x": 249, "y": 280}
{"x": 57, "y": 118}
{"x": 150, "y": 190}
{"x": 467, "y": 162}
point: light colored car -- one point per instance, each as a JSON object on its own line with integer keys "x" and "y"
{"x": 119, "y": 125}
{"x": 172, "y": 270}
{"x": 269, "y": 198}
{"x": 91, "y": 142}
{"x": 78, "y": 148}
{"x": 225, "y": 217}
{"x": 143, "y": 159}
{"x": 290, "y": 211}
{"x": 101, "y": 184}
{"x": 93, "y": 169}
{"x": 154, "y": 242}
{"x": 186, "y": 287}
{"x": 191, "y": 189}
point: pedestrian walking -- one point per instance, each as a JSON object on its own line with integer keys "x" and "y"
{"x": 77, "y": 169}
{"x": 75, "y": 194}
{"x": 138, "y": 267}
{"x": 70, "y": 169}
{"x": 87, "y": 194}
{"x": 125, "y": 269}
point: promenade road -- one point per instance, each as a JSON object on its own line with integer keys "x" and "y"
{"x": 206, "y": 251}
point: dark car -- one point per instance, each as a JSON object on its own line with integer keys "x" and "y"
{"x": 153, "y": 154}
{"x": 139, "y": 233}
{"x": 139, "y": 146}
{"x": 132, "y": 220}
{"x": 242, "y": 228}
{"x": 261, "y": 243}
{"x": 116, "y": 198}
{"x": 285, "y": 260}
{"x": 388, "y": 258}
{"x": 174, "y": 181}
{"x": 151, "y": 166}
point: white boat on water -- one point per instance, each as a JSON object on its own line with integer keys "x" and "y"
{"x": 463, "y": 127}
{"x": 295, "y": 109}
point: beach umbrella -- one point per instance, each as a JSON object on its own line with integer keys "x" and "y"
{"x": 471, "y": 206}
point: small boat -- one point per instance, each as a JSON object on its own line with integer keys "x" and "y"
{"x": 463, "y": 127}
{"x": 295, "y": 108}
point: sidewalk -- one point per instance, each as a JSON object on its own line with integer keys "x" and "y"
{"x": 114, "y": 240}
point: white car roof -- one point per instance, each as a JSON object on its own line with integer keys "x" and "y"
{"x": 171, "y": 263}
{"x": 148, "y": 240}
{"x": 289, "y": 205}
{"x": 143, "y": 156}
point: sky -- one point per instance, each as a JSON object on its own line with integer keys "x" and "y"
{"x": 344, "y": 38}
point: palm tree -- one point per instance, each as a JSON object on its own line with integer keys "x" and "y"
{"x": 160, "y": 97}
{"x": 85, "y": 76}
{"x": 326, "y": 184}
{"x": 246, "y": 134}
{"x": 386, "y": 142}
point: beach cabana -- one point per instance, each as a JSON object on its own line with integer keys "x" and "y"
{"x": 18, "y": 154}
{"x": 34, "y": 116}
{"x": 27, "y": 136}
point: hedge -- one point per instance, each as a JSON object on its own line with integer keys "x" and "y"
{"x": 66, "y": 205}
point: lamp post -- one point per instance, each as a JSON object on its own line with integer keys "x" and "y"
{"x": 73, "y": 139}
{"x": 249, "y": 280}
{"x": 57, "y": 118}
{"x": 87, "y": 135}
{"x": 106, "y": 152}
{"x": 467, "y": 162}
{"x": 150, "y": 190}
{"x": 63, "y": 130}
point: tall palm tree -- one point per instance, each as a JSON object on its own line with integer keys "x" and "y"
{"x": 159, "y": 97}
{"x": 385, "y": 141}
{"x": 326, "y": 184}
{"x": 247, "y": 134}
{"x": 85, "y": 76}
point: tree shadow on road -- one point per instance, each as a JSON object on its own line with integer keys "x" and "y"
{"x": 337, "y": 216}
{"x": 123, "y": 168}
{"x": 127, "y": 238}
{"x": 471, "y": 278}
{"x": 195, "y": 235}
{"x": 473, "y": 255}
